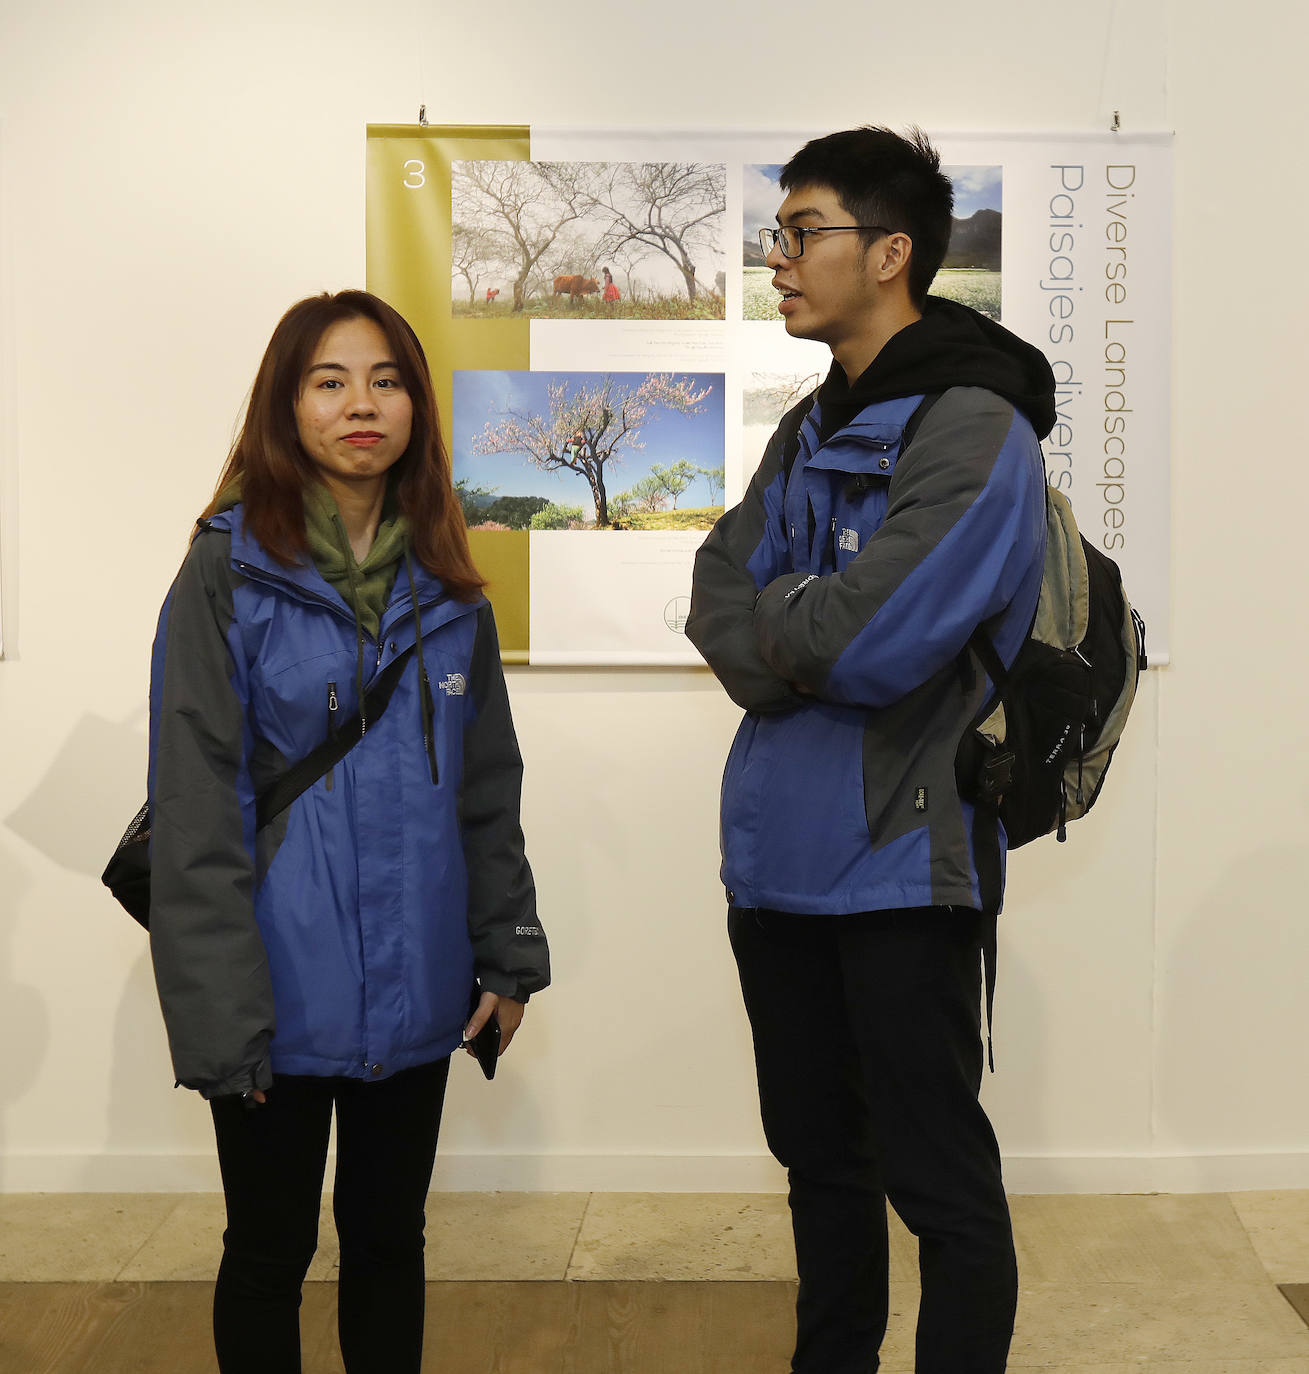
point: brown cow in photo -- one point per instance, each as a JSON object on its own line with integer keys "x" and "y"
{"x": 575, "y": 287}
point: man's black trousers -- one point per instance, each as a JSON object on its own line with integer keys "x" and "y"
{"x": 867, "y": 1036}
{"x": 272, "y": 1159}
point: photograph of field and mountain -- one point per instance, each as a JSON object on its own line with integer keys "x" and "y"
{"x": 589, "y": 450}
{"x": 970, "y": 273}
{"x": 588, "y": 240}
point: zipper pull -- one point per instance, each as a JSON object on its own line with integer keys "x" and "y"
{"x": 331, "y": 726}
{"x": 1081, "y": 754}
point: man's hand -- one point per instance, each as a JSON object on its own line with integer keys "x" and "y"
{"x": 505, "y": 1010}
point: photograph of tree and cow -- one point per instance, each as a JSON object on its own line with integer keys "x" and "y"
{"x": 588, "y": 240}
{"x": 588, "y": 450}
{"x": 970, "y": 273}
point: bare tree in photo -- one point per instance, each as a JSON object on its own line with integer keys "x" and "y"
{"x": 674, "y": 208}
{"x": 771, "y": 395}
{"x": 569, "y": 255}
{"x": 524, "y": 205}
{"x": 589, "y": 426}
{"x": 471, "y": 253}
{"x": 626, "y": 258}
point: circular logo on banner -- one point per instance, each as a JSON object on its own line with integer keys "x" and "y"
{"x": 675, "y": 614}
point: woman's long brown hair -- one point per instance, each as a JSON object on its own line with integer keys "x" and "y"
{"x": 274, "y": 468}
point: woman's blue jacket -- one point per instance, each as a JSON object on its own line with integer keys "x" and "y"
{"x": 343, "y": 938}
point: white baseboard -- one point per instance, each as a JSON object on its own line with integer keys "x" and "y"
{"x": 122, "y": 1173}
{"x": 1155, "y": 1173}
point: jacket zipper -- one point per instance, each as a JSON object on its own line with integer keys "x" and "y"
{"x": 331, "y": 725}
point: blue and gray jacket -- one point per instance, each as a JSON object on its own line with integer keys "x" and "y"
{"x": 343, "y": 937}
{"x": 835, "y": 605}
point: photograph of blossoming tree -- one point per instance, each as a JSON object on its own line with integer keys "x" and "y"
{"x": 588, "y": 451}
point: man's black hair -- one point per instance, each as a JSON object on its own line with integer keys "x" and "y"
{"x": 883, "y": 178}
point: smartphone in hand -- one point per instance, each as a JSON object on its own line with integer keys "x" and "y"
{"x": 485, "y": 1045}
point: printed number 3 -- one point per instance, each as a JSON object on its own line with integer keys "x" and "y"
{"x": 414, "y": 177}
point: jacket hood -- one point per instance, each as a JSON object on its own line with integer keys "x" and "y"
{"x": 949, "y": 346}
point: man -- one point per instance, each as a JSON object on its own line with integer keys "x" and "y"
{"x": 895, "y": 511}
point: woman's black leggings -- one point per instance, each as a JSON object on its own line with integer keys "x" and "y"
{"x": 272, "y": 1159}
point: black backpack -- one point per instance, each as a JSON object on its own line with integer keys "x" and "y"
{"x": 1040, "y": 748}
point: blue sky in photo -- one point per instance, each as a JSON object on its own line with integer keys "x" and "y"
{"x": 760, "y": 196}
{"x": 975, "y": 188}
{"x": 666, "y": 435}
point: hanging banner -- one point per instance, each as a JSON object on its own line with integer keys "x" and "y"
{"x": 610, "y": 361}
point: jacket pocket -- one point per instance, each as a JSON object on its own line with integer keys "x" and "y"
{"x": 794, "y": 825}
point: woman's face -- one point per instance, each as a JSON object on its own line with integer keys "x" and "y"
{"x": 353, "y": 412}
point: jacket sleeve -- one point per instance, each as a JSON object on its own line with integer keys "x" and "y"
{"x": 963, "y": 527}
{"x": 746, "y": 549}
{"x": 509, "y": 947}
{"x": 210, "y": 965}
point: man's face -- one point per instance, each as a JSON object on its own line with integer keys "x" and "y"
{"x": 827, "y": 292}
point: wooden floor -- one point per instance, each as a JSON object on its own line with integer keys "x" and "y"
{"x": 472, "y": 1328}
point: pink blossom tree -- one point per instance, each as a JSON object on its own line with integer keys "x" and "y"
{"x": 588, "y": 426}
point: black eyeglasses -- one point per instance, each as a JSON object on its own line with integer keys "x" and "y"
{"x": 790, "y": 237}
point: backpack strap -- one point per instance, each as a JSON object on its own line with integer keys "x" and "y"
{"x": 790, "y": 424}
{"x": 914, "y": 422}
{"x": 986, "y": 834}
{"x": 280, "y": 793}
{"x": 986, "y": 850}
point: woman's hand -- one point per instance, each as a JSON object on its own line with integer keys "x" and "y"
{"x": 505, "y": 1010}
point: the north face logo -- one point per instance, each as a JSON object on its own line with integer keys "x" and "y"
{"x": 848, "y": 540}
{"x": 454, "y": 686}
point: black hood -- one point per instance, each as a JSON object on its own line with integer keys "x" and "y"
{"x": 950, "y": 346}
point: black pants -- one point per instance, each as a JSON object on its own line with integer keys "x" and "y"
{"x": 867, "y": 1042}
{"x": 272, "y": 1160}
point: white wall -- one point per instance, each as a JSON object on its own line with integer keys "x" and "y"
{"x": 172, "y": 176}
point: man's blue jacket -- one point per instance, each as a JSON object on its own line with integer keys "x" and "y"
{"x": 835, "y": 604}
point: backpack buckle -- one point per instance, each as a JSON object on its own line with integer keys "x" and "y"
{"x": 997, "y": 776}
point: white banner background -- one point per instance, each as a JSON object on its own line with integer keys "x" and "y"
{"x": 1086, "y": 266}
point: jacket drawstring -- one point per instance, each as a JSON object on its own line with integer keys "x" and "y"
{"x": 351, "y": 571}
{"x": 424, "y": 685}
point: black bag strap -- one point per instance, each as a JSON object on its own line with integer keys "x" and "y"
{"x": 986, "y": 839}
{"x": 280, "y": 793}
{"x": 791, "y": 424}
{"x": 912, "y": 424}
{"x": 983, "y": 646}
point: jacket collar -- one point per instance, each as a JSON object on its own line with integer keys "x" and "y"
{"x": 871, "y": 440}
{"x": 250, "y": 557}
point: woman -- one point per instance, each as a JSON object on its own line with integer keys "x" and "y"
{"x": 610, "y": 290}
{"x": 325, "y": 960}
